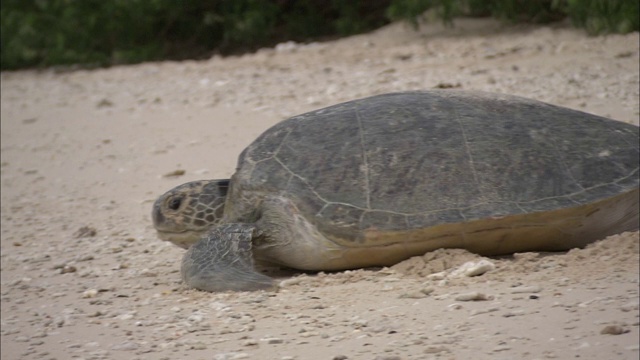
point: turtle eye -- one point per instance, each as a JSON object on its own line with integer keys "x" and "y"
{"x": 174, "y": 203}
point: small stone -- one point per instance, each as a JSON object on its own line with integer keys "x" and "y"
{"x": 174, "y": 173}
{"x": 127, "y": 316}
{"x": 413, "y": 295}
{"x": 620, "y": 55}
{"x": 527, "y": 256}
{"x": 614, "y": 330}
{"x": 91, "y": 293}
{"x": 85, "y": 231}
{"x": 629, "y": 307}
{"x": 292, "y": 281}
{"x": 437, "y": 276}
{"x": 473, "y": 268}
{"x": 480, "y": 268}
{"x": 201, "y": 171}
{"x": 104, "y": 103}
{"x": 435, "y": 349}
{"x": 148, "y": 273}
{"x": 483, "y": 311}
{"x": 513, "y": 313}
{"x": 446, "y": 85}
{"x": 198, "y": 346}
{"x": 7, "y": 331}
{"x": 195, "y": 318}
{"x": 59, "y": 321}
{"x": 218, "y": 306}
{"x": 272, "y": 340}
{"x": 126, "y": 346}
{"x": 526, "y": 289}
{"x": 340, "y": 357}
{"x": 359, "y": 323}
{"x": 473, "y": 296}
{"x": 39, "y": 334}
{"x": 309, "y": 334}
{"x": 68, "y": 269}
{"x": 501, "y": 348}
{"x": 250, "y": 342}
{"x": 427, "y": 290}
{"x": 231, "y": 356}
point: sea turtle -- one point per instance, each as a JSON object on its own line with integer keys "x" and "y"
{"x": 371, "y": 182}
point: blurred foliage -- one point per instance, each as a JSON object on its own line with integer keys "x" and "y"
{"x": 596, "y": 16}
{"x": 603, "y": 16}
{"x": 107, "y": 32}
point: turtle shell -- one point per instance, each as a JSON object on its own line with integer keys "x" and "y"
{"x": 401, "y": 162}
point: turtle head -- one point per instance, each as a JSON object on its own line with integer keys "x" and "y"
{"x": 187, "y": 212}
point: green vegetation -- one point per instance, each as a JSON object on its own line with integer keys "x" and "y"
{"x": 596, "y": 16}
{"x": 602, "y": 16}
{"x": 107, "y": 32}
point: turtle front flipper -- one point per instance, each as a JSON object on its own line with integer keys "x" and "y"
{"x": 222, "y": 260}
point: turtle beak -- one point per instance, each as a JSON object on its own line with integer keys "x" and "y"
{"x": 157, "y": 216}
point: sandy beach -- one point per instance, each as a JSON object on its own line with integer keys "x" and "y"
{"x": 84, "y": 154}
